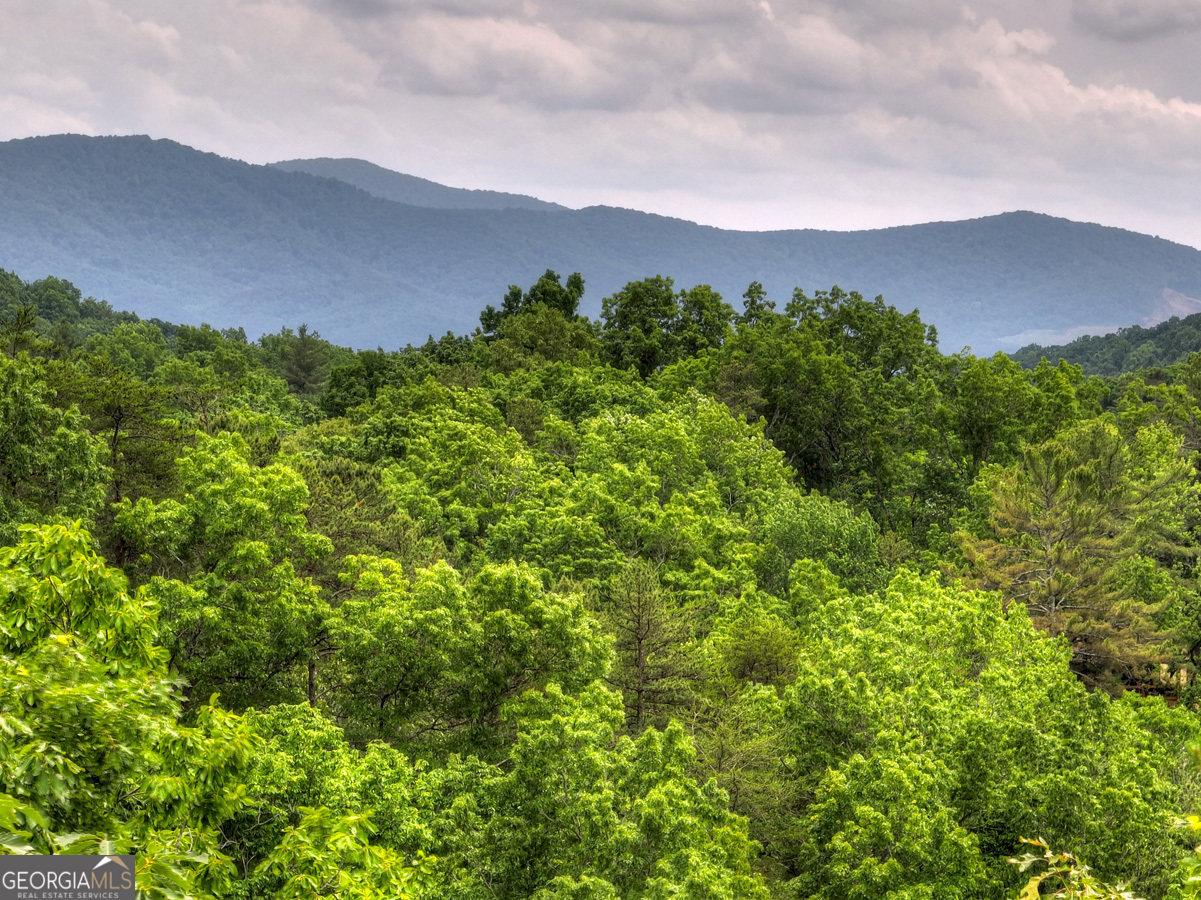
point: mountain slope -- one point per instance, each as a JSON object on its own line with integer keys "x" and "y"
{"x": 1125, "y": 350}
{"x": 168, "y": 231}
{"x": 389, "y": 185}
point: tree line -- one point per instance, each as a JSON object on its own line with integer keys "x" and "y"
{"x": 1126, "y": 350}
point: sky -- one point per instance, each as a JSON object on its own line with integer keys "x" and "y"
{"x": 748, "y": 114}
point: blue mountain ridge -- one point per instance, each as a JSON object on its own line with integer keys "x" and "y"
{"x": 171, "y": 232}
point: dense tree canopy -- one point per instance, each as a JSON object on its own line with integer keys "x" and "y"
{"x": 680, "y": 603}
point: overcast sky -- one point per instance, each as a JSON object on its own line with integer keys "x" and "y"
{"x": 751, "y": 114}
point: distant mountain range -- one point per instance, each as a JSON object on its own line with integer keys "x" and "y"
{"x": 389, "y": 185}
{"x": 175, "y": 233}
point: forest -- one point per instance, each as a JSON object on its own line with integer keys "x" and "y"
{"x": 1126, "y": 350}
{"x": 690, "y": 601}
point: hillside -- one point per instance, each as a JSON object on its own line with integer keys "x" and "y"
{"x": 171, "y": 232}
{"x": 1125, "y": 350}
{"x": 389, "y": 185}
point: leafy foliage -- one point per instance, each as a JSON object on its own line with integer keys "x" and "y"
{"x": 1064, "y": 875}
{"x": 676, "y": 604}
{"x": 49, "y": 465}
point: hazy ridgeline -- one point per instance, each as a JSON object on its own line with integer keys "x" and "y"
{"x": 191, "y": 237}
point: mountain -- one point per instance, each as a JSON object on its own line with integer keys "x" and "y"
{"x": 389, "y": 185}
{"x": 171, "y": 232}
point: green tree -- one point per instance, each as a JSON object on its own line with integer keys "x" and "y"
{"x": 50, "y": 466}
{"x": 306, "y": 362}
{"x": 357, "y": 382}
{"x": 639, "y": 325}
{"x": 1060, "y": 526}
{"x": 809, "y": 526}
{"x": 222, "y": 563}
{"x": 93, "y": 758}
{"x": 135, "y": 347}
{"x": 549, "y": 291}
{"x": 349, "y": 503}
{"x": 91, "y": 745}
{"x": 541, "y": 334}
{"x": 1062, "y": 873}
{"x": 654, "y": 669}
{"x": 451, "y": 461}
{"x": 929, "y": 729}
{"x": 132, "y": 419}
{"x": 18, "y": 331}
{"x": 308, "y": 784}
{"x": 883, "y": 824}
{"x": 756, "y": 307}
{"x": 578, "y": 812}
{"x": 870, "y": 333}
{"x": 53, "y": 298}
{"x": 657, "y": 487}
{"x": 988, "y": 409}
{"x": 704, "y": 320}
{"x": 431, "y": 665}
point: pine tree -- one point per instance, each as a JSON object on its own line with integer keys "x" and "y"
{"x": 652, "y": 671}
{"x": 1064, "y": 527}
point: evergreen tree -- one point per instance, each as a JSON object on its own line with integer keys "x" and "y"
{"x": 654, "y": 669}
{"x": 1063, "y": 523}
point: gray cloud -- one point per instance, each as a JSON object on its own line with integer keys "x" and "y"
{"x": 750, "y": 113}
{"x": 1137, "y": 20}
